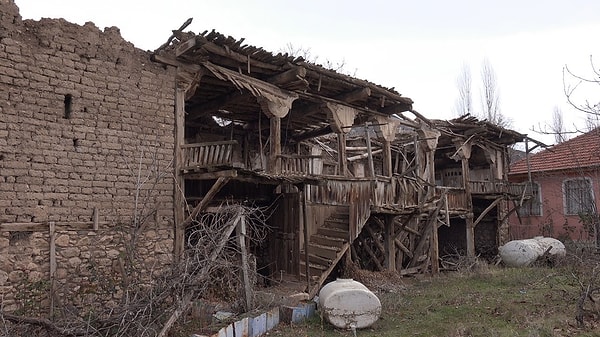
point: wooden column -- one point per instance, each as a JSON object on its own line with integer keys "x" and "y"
{"x": 341, "y": 119}
{"x": 275, "y": 145}
{"x": 275, "y": 109}
{"x": 369, "y": 152}
{"x": 387, "y": 129}
{"x": 179, "y": 192}
{"x": 342, "y": 158}
{"x": 52, "y": 242}
{"x": 464, "y": 153}
{"x": 241, "y": 234}
{"x": 434, "y": 249}
{"x": 390, "y": 245}
{"x": 387, "y": 159}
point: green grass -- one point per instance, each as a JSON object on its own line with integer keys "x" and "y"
{"x": 528, "y": 302}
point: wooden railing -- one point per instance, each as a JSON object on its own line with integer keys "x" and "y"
{"x": 198, "y": 155}
{"x": 456, "y": 197}
{"x": 300, "y": 164}
{"x": 490, "y": 187}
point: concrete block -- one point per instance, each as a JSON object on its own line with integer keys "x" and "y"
{"x": 242, "y": 328}
{"x": 258, "y": 325}
{"x": 298, "y": 313}
{"x": 272, "y": 318}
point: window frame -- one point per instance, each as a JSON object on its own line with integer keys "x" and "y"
{"x": 567, "y": 201}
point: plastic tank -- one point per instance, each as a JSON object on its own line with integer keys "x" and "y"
{"x": 522, "y": 253}
{"x": 558, "y": 248}
{"x": 346, "y": 304}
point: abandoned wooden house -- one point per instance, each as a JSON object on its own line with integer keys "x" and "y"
{"x": 349, "y": 170}
{"x": 350, "y": 174}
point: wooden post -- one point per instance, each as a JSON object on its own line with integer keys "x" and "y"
{"x": 241, "y": 234}
{"x": 52, "y": 242}
{"x": 369, "y": 151}
{"x": 275, "y": 145}
{"x": 434, "y": 251}
{"x": 95, "y": 219}
{"x": 470, "y": 229}
{"x": 342, "y": 158}
{"x": 390, "y": 246}
{"x": 179, "y": 192}
{"x": 305, "y": 230}
{"x": 387, "y": 158}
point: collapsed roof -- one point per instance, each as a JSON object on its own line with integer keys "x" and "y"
{"x": 234, "y": 75}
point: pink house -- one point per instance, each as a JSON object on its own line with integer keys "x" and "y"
{"x": 565, "y": 182}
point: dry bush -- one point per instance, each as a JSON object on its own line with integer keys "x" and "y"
{"x": 209, "y": 268}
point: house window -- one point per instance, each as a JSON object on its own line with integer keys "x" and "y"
{"x": 533, "y": 206}
{"x": 578, "y": 194}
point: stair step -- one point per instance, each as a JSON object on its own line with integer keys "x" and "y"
{"x": 312, "y": 258}
{"x": 323, "y": 251}
{"x": 334, "y": 232}
{"x": 327, "y": 240}
{"x": 314, "y": 269}
{"x": 336, "y": 223}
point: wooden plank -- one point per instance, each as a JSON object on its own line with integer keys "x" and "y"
{"x": 355, "y": 95}
{"x": 364, "y": 155}
{"x": 241, "y": 234}
{"x": 216, "y": 187}
{"x": 23, "y": 227}
{"x": 342, "y": 155}
{"x": 369, "y": 152}
{"x": 212, "y": 175}
{"x": 95, "y": 217}
{"x": 178, "y": 160}
{"x": 375, "y": 239}
{"x": 403, "y": 248}
{"x": 305, "y": 221}
{"x": 185, "y": 46}
{"x": 203, "y": 144}
{"x": 373, "y": 256}
{"x": 390, "y": 247}
{"x": 486, "y": 211}
{"x": 434, "y": 250}
{"x": 275, "y": 145}
{"x": 52, "y": 242}
{"x": 291, "y": 75}
{"x": 387, "y": 159}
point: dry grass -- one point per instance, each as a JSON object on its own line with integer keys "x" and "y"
{"x": 485, "y": 301}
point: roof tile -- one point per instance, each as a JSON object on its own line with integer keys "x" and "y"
{"x": 582, "y": 151}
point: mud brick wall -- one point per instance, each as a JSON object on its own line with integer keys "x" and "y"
{"x": 86, "y": 123}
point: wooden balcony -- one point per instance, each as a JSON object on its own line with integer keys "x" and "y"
{"x": 300, "y": 164}
{"x": 211, "y": 154}
{"x": 499, "y": 187}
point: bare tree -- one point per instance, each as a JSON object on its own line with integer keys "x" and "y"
{"x": 574, "y": 84}
{"x": 558, "y": 127}
{"x": 306, "y": 54}
{"x": 464, "y": 102}
{"x": 490, "y": 96}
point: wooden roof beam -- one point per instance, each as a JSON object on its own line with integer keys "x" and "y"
{"x": 291, "y": 75}
{"x": 396, "y": 109}
{"x": 200, "y": 42}
{"x": 355, "y": 95}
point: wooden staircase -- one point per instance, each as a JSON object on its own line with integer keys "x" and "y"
{"x": 326, "y": 248}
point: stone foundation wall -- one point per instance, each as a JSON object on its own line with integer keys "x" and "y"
{"x": 86, "y": 134}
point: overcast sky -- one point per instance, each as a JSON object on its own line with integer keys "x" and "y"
{"x": 417, "y": 47}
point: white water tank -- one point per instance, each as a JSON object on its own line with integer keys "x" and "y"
{"x": 522, "y": 253}
{"x": 557, "y": 247}
{"x": 346, "y": 304}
